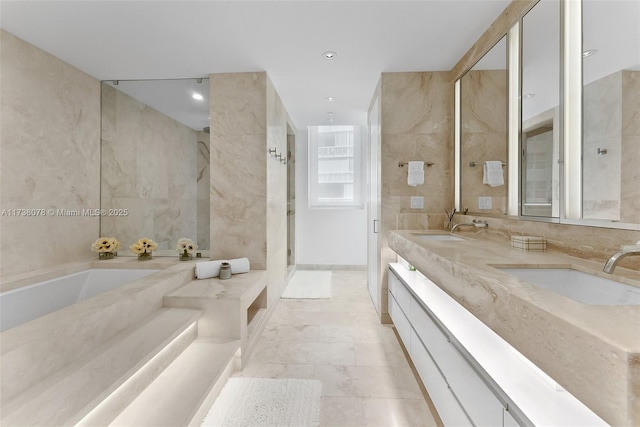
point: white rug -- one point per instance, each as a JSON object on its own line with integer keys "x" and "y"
{"x": 308, "y": 284}
{"x": 266, "y": 402}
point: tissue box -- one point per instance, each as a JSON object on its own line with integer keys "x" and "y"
{"x": 529, "y": 243}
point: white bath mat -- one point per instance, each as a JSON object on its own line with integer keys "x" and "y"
{"x": 266, "y": 402}
{"x": 309, "y": 284}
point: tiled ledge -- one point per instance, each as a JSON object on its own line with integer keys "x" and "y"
{"x": 578, "y": 345}
{"x": 26, "y": 279}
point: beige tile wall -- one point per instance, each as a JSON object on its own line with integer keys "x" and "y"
{"x": 483, "y": 137}
{"x": 149, "y": 166}
{"x": 248, "y": 186}
{"x": 50, "y": 154}
{"x": 416, "y": 123}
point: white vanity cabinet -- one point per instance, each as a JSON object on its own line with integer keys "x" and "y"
{"x": 474, "y": 377}
{"x": 456, "y": 389}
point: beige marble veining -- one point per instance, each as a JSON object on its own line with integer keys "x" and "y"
{"x": 630, "y": 175}
{"x": 202, "y": 190}
{"x": 590, "y": 243}
{"x": 41, "y": 347}
{"x": 248, "y": 185}
{"x": 576, "y": 344}
{"x": 415, "y": 124}
{"x": 148, "y": 167}
{"x": 500, "y": 26}
{"x": 483, "y": 136}
{"x": 50, "y": 151}
{"x": 238, "y": 166}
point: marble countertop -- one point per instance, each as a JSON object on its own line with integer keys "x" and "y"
{"x": 578, "y": 345}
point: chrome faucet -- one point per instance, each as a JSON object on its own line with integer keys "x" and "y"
{"x": 625, "y": 252}
{"x": 474, "y": 223}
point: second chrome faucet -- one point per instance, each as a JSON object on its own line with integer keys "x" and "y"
{"x": 475, "y": 223}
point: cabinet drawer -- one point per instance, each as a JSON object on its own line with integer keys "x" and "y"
{"x": 480, "y": 403}
{"x": 400, "y": 321}
{"x": 445, "y": 402}
{"x": 400, "y": 292}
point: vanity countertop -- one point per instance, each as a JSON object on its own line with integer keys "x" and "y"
{"x": 593, "y": 351}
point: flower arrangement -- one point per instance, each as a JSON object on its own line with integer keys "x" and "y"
{"x": 144, "y": 247}
{"x": 106, "y": 247}
{"x": 186, "y": 248}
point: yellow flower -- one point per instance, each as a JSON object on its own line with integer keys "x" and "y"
{"x": 144, "y": 245}
{"x": 105, "y": 244}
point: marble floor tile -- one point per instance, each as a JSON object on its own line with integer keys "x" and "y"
{"x": 397, "y": 413}
{"x": 366, "y": 379}
{"x": 341, "y": 412}
{"x": 335, "y": 354}
{"x": 379, "y": 354}
{"x": 301, "y": 333}
{"x": 275, "y": 370}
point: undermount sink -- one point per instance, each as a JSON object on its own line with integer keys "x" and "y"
{"x": 579, "y": 286}
{"x": 448, "y": 237}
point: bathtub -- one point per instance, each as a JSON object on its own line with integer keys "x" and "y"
{"x": 21, "y": 305}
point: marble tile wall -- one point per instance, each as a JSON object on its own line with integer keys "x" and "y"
{"x": 630, "y": 153}
{"x": 238, "y": 107}
{"x": 50, "y": 158}
{"x": 276, "y": 194}
{"x": 592, "y": 243}
{"x": 602, "y": 102}
{"x": 416, "y": 124}
{"x": 202, "y": 190}
{"x": 483, "y": 137}
{"x": 249, "y": 186}
{"x": 148, "y": 167}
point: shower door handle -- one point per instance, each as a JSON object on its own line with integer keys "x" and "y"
{"x": 375, "y": 223}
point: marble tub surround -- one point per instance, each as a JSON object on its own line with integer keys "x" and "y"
{"x": 37, "y": 276}
{"x": 50, "y": 110}
{"x": 590, "y": 243}
{"x": 38, "y": 349}
{"x": 235, "y": 308}
{"x": 578, "y": 345}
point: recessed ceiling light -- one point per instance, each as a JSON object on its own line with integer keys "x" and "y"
{"x": 330, "y": 117}
{"x": 589, "y": 52}
{"x": 197, "y": 96}
{"x": 329, "y": 54}
{"x": 528, "y": 95}
{"x": 330, "y": 98}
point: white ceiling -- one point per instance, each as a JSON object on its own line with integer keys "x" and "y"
{"x": 120, "y": 40}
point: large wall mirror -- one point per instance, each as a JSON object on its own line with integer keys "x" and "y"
{"x": 155, "y": 162}
{"x": 611, "y": 111}
{"x": 483, "y": 134}
{"x": 578, "y": 148}
{"x": 540, "y": 97}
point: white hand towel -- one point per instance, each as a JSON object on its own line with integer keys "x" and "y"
{"x": 493, "y": 173}
{"x": 415, "y": 174}
{"x": 239, "y": 265}
{"x": 208, "y": 269}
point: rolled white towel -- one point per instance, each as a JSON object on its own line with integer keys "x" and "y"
{"x": 208, "y": 269}
{"x": 239, "y": 265}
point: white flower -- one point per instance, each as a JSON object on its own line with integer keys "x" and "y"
{"x": 187, "y": 245}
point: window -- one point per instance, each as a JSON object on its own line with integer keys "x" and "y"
{"x": 335, "y": 166}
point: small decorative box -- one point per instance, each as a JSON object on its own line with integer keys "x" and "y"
{"x": 529, "y": 243}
